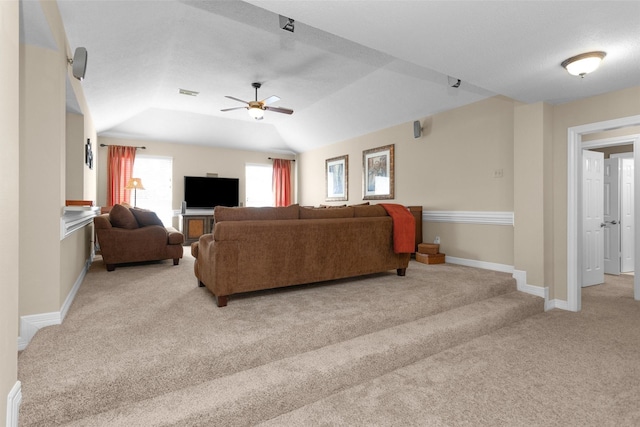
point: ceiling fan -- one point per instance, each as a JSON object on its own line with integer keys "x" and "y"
{"x": 257, "y": 108}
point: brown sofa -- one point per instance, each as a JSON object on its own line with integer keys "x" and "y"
{"x": 134, "y": 235}
{"x": 262, "y": 248}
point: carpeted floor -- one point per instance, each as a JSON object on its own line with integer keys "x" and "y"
{"x": 445, "y": 345}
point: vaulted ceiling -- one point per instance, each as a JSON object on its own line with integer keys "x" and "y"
{"x": 349, "y": 68}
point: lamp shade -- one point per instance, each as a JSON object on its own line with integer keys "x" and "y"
{"x": 134, "y": 184}
{"x": 583, "y": 64}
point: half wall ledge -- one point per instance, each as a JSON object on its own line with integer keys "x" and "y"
{"x": 76, "y": 217}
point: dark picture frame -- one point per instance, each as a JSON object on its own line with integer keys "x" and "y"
{"x": 336, "y": 172}
{"x": 378, "y": 182}
{"x": 88, "y": 154}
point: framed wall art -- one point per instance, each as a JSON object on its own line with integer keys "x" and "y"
{"x": 88, "y": 154}
{"x": 337, "y": 178}
{"x": 377, "y": 173}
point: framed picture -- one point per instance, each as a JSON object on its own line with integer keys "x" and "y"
{"x": 377, "y": 173}
{"x": 88, "y": 154}
{"x": 337, "y": 178}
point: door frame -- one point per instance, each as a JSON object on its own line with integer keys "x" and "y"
{"x": 574, "y": 200}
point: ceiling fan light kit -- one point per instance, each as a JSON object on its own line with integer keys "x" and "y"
{"x": 257, "y": 108}
{"x": 255, "y": 111}
{"x": 583, "y": 64}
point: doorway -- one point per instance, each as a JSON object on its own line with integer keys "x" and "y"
{"x": 608, "y": 217}
{"x": 574, "y": 199}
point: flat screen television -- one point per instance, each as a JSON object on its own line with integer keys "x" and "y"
{"x": 208, "y": 192}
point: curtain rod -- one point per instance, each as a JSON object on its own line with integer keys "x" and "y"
{"x": 271, "y": 158}
{"x": 106, "y": 145}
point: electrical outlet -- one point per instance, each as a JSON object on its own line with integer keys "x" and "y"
{"x": 498, "y": 173}
{"x": 437, "y": 239}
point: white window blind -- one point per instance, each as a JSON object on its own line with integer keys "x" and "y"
{"x": 156, "y": 174}
{"x": 259, "y": 189}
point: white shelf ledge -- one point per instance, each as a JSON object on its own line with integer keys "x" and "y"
{"x": 76, "y": 217}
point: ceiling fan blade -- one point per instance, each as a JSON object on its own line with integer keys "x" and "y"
{"x": 279, "y": 110}
{"x": 234, "y": 108}
{"x": 270, "y": 100}
{"x": 236, "y": 99}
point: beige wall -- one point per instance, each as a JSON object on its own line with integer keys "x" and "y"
{"x": 532, "y": 145}
{"x": 9, "y": 197}
{"x": 74, "y": 159}
{"x": 616, "y": 149}
{"x": 450, "y": 167}
{"x": 45, "y": 153}
{"x": 608, "y": 106}
{"x": 631, "y": 130}
{"x": 42, "y": 130}
{"x": 194, "y": 160}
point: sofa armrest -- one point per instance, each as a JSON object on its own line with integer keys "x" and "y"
{"x": 174, "y": 237}
{"x": 102, "y": 221}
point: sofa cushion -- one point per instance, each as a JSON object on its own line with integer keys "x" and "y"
{"x": 122, "y": 217}
{"x": 323, "y": 213}
{"x": 223, "y": 213}
{"x": 146, "y": 217}
{"x": 368, "y": 211}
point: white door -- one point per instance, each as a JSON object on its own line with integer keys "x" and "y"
{"x": 612, "y": 216}
{"x": 593, "y": 221}
{"x": 627, "y": 216}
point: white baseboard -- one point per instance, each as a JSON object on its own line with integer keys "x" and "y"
{"x": 479, "y": 264}
{"x": 539, "y": 291}
{"x": 519, "y": 275}
{"x": 30, "y": 324}
{"x": 13, "y": 405}
{"x": 559, "y": 304}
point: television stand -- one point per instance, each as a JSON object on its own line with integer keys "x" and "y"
{"x": 194, "y": 223}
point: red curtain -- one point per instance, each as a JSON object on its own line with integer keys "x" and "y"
{"x": 119, "y": 170}
{"x": 282, "y": 181}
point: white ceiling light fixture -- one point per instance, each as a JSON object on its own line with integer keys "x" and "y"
{"x": 583, "y": 64}
{"x": 255, "y": 110}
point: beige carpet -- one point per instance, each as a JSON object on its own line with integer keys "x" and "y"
{"x": 552, "y": 369}
{"x": 445, "y": 345}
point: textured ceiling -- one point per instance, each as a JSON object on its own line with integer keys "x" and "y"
{"x": 350, "y": 67}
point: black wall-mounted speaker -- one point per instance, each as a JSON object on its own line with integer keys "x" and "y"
{"x": 417, "y": 129}
{"x": 79, "y": 65}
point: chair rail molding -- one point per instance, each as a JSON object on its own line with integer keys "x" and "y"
{"x": 469, "y": 217}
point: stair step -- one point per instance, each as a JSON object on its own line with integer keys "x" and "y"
{"x": 334, "y": 313}
{"x": 278, "y": 387}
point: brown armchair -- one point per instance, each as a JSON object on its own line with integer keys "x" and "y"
{"x": 134, "y": 235}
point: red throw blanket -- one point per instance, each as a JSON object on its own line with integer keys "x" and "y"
{"x": 404, "y": 228}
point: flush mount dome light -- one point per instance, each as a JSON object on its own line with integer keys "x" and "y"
{"x": 583, "y": 64}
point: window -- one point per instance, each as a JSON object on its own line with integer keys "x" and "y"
{"x": 156, "y": 174}
{"x": 259, "y": 189}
